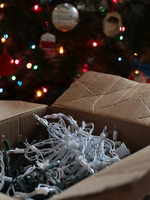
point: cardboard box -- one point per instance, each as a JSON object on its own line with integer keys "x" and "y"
{"x": 111, "y": 100}
{"x": 105, "y": 100}
{"x": 16, "y": 119}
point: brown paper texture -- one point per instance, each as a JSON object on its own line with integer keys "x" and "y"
{"x": 102, "y": 99}
{"x": 109, "y": 95}
{"x": 16, "y": 119}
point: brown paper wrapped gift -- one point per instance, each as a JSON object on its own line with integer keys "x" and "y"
{"x": 105, "y": 100}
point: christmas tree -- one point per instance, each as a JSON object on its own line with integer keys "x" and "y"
{"x": 46, "y": 44}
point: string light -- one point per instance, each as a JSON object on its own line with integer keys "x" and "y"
{"x": 33, "y": 46}
{"x": 3, "y": 40}
{"x": 29, "y": 65}
{"x": 35, "y": 67}
{"x": 86, "y": 65}
{"x": 2, "y": 5}
{"x": 84, "y": 70}
{"x": 135, "y": 54}
{"x": 44, "y": 89}
{"x": 94, "y": 44}
{"x": 121, "y": 37}
{"x": 12, "y": 61}
{"x": 1, "y": 90}
{"x": 19, "y": 83}
{"x": 101, "y": 8}
{"x": 61, "y": 50}
{"x": 36, "y": 7}
{"x": 13, "y": 78}
{"x": 6, "y": 36}
{"x": 46, "y": 23}
{"x": 115, "y": 1}
{"x": 137, "y": 72}
{"x": 39, "y": 93}
{"x": 17, "y": 61}
{"x": 122, "y": 28}
{"x": 119, "y": 59}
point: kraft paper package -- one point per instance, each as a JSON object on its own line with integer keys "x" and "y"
{"x": 104, "y": 100}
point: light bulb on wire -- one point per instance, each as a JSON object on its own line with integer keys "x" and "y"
{"x": 121, "y": 37}
{"x": 84, "y": 70}
{"x": 1, "y": 90}
{"x": 115, "y": 1}
{"x": 135, "y": 54}
{"x": 17, "y": 61}
{"x": 2, "y": 5}
{"x": 94, "y": 44}
{"x": 122, "y": 28}
{"x": 39, "y": 93}
{"x": 36, "y": 8}
{"x": 44, "y": 89}
{"x": 33, "y": 46}
{"x": 61, "y": 50}
{"x": 19, "y": 83}
{"x": 29, "y": 65}
{"x": 12, "y": 61}
{"x": 13, "y": 78}
{"x": 137, "y": 72}
{"x": 119, "y": 59}
{"x": 3, "y": 40}
{"x": 35, "y": 67}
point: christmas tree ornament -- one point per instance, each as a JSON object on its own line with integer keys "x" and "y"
{"x": 65, "y": 17}
{"x": 48, "y": 44}
{"x": 6, "y": 68}
{"x": 111, "y": 24}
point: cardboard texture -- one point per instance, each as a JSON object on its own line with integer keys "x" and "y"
{"x": 105, "y": 100}
{"x": 111, "y": 100}
{"x": 16, "y": 119}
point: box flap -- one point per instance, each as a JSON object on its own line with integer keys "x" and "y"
{"x": 127, "y": 171}
{"x": 9, "y": 109}
{"x": 17, "y": 121}
{"x": 108, "y": 95}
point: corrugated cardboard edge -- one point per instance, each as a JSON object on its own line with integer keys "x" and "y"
{"x": 122, "y": 173}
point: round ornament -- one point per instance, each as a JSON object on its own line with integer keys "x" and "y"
{"x": 48, "y": 44}
{"x": 65, "y": 17}
{"x": 111, "y": 24}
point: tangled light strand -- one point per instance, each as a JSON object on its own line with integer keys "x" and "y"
{"x": 74, "y": 143}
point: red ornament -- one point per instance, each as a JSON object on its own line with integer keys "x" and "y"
{"x": 6, "y": 68}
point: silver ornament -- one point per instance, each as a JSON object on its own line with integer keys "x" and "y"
{"x": 65, "y": 17}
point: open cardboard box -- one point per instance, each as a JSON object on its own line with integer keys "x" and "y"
{"x": 105, "y": 100}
